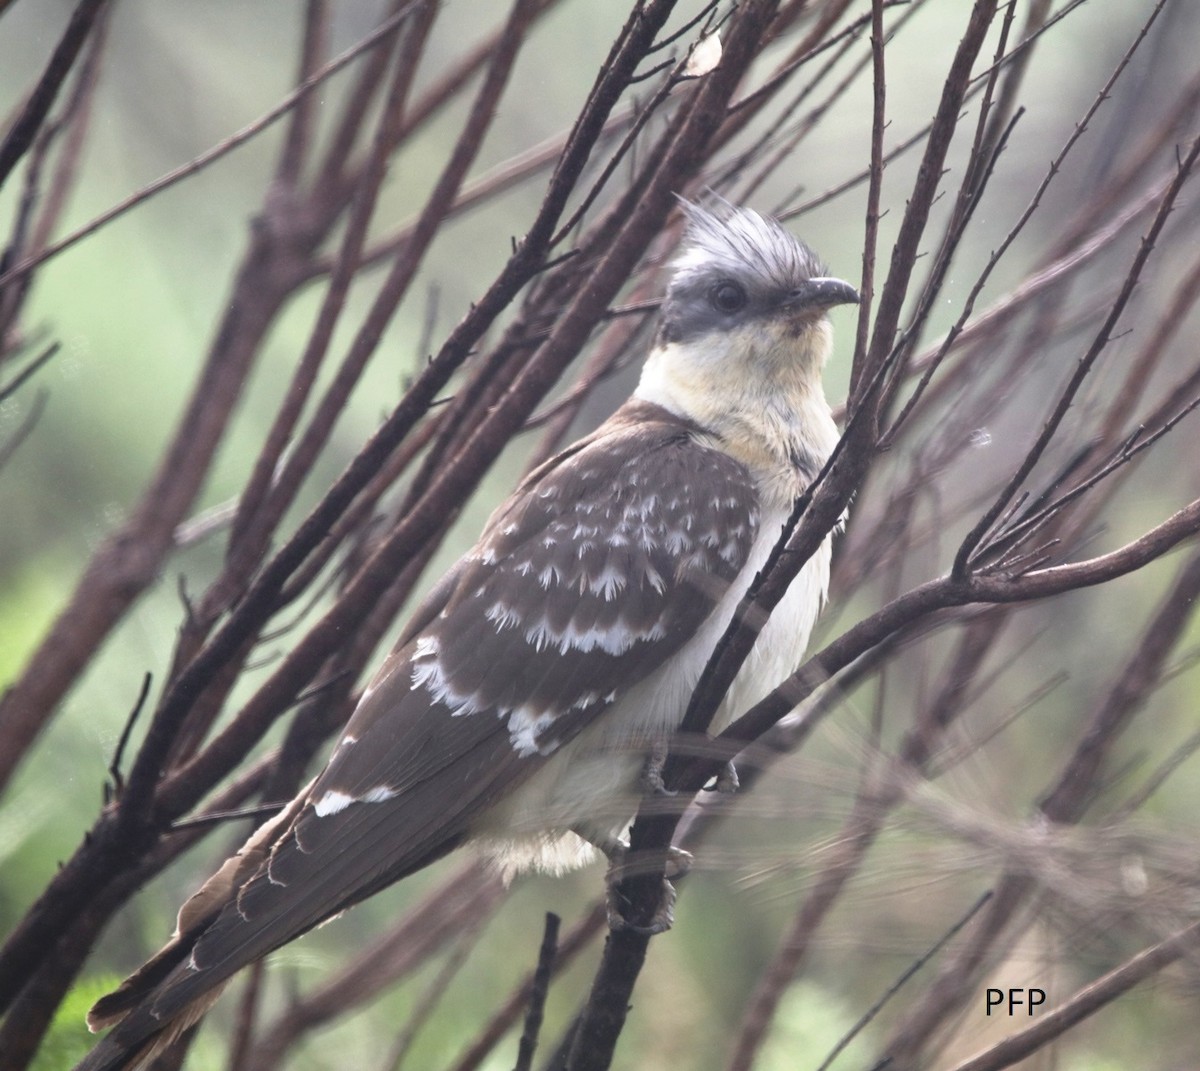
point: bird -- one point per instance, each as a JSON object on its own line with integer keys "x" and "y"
{"x": 522, "y": 702}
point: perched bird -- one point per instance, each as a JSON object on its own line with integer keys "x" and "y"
{"x": 518, "y": 708}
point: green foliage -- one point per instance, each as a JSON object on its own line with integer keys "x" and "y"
{"x": 68, "y": 1039}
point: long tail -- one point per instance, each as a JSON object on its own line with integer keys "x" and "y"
{"x": 139, "y": 1037}
{"x": 141, "y": 1030}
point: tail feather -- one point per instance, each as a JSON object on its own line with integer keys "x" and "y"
{"x": 140, "y": 1032}
{"x": 308, "y": 864}
{"x": 139, "y": 1037}
{"x": 115, "y": 1006}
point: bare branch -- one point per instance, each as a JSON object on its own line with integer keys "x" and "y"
{"x": 537, "y": 997}
{"x": 21, "y": 134}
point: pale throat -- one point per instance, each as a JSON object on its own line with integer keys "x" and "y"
{"x": 757, "y": 390}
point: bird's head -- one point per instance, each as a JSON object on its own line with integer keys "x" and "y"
{"x": 745, "y": 330}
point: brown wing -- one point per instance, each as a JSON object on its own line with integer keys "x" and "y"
{"x": 600, "y": 567}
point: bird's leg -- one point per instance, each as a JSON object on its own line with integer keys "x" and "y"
{"x": 616, "y": 851}
{"x": 652, "y": 779}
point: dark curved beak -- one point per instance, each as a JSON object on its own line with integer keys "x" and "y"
{"x": 821, "y": 293}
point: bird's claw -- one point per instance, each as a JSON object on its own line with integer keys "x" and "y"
{"x": 664, "y": 916}
{"x": 727, "y": 782}
{"x": 678, "y": 863}
{"x": 652, "y": 778}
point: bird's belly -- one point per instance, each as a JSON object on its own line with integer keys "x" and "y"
{"x": 595, "y": 781}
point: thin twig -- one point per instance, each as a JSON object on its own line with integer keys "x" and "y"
{"x": 537, "y": 996}
{"x": 116, "y": 786}
{"x": 29, "y": 371}
{"x": 909, "y": 972}
{"x": 22, "y": 132}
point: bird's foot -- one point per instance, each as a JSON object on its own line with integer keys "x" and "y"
{"x": 664, "y": 915}
{"x": 726, "y": 782}
{"x": 617, "y": 853}
{"x": 652, "y": 778}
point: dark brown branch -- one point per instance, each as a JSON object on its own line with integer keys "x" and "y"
{"x": 335, "y": 586}
{"x": 916, "y": 215}
{"x": 130, "y": 558}
{"x": 23, "y": 430}
{"x": 114, "y": 788}
{"x": 626, "y": 950}
{"x": 866, "y": 290}
{"x": 509, "y": 1012}
{"x": 61, "y": 955}
{"x": 951, "y": 591}
{"x": 822, "y": 506}
{"x": 435, "y": 991}
{"x": 537, "y": 995}
{"x": 22, "y": 133}
{"x": 29, "y": 371}
{"x": 42, "y": 204}
{"x": 298, "y": 137}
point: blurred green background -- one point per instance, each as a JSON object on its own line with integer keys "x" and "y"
{"x": 134, "y": 308}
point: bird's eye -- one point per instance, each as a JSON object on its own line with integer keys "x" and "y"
{"x": 727, "y": 296}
